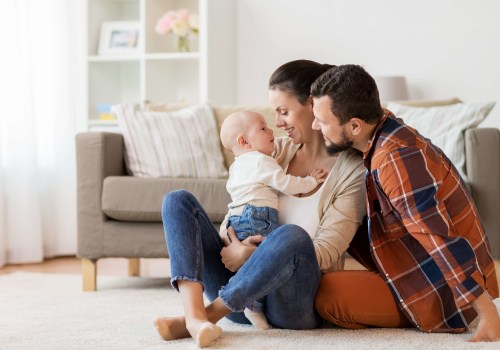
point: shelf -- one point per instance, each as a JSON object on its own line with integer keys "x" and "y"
{"x": 103, "y": 125}
{"x": 149, "y": 56}
{"x": 113, "y": 58}
{"x": 98, "y": 122}
{"x": 173, "y": 56}
{"x": 156, "y": 71}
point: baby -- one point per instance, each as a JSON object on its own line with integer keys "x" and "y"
{"x": 255, "y": 178}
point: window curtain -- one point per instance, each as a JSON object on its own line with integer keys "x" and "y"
{"x": 39, "y": 105}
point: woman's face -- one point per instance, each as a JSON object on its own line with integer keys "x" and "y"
{"x": 296, "y": 119}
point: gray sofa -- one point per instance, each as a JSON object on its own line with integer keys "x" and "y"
{"x": 119, "y": 214}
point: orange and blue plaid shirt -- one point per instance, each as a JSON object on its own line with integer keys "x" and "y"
{"x": 425, "y": 235}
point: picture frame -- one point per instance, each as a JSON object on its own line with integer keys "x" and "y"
{"x": 120, "y": 37}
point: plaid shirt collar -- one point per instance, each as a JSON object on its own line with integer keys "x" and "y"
{"x": 370, "y": 145}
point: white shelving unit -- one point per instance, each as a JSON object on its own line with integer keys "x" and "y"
{"x": 156, "y": 72}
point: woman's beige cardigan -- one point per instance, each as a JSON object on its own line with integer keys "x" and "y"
{"x": 341, "y": 208}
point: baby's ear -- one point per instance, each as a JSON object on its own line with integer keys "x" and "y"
{"x": 242, "y": 141}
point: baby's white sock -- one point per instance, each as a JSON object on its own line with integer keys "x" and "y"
{"x": 257, "y": 318}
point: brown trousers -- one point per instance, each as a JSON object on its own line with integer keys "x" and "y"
{"x": 358, "y": 299}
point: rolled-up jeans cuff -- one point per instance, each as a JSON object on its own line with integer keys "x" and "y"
{"x": 173, "y": 281}
{"x": 228, "y": 303}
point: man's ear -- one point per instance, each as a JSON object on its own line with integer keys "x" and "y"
{"x": 242, "y": 141}
{"x": 356, "y": 126}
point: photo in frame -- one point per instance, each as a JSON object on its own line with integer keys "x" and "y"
{"x": 119, "y": 37}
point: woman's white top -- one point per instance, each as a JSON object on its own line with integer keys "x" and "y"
{"x": 300, "y": 211}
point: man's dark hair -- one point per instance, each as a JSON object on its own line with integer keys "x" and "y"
{"x": 296, "y": 78}
{"x": 353, "y": 93}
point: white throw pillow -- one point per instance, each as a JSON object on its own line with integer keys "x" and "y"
{"x": 183, "y": 143}
{"x": 445, "y": 125}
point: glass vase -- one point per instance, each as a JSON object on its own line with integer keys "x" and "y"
{"x": 182, "y": 44}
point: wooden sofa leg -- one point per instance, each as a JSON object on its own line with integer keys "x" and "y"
{"x": 134, "y": 267}
{"x": 89, "y": 275}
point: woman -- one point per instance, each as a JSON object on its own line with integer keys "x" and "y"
{"x": 286, "y": 267}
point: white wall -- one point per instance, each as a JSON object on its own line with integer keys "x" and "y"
{"x": 445, "y": 48}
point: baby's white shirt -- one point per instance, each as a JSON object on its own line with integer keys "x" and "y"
{"x": 256, "y": 179}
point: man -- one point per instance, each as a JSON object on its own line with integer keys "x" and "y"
{"x": 429, "y": 261}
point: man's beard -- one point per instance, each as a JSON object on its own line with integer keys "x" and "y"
{"x": 343, "y": 145}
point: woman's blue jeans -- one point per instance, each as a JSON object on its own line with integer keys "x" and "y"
{"x": 283, "y": 269}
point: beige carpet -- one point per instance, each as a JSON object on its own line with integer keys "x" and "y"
{"x": 48, "y": 311}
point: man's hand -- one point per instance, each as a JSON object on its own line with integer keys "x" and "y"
{"x": 237, "y": 253}
{"x": 488, "y": 328}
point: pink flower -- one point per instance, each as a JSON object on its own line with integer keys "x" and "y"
{"x": 164, "y": 24}
{"x": 180, "y": 22}
{"x": 183, "y": 14}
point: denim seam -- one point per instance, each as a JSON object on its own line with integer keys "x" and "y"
{"x": 196, "y": 214}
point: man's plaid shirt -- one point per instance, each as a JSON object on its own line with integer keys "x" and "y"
{"x": 425, "y": 235}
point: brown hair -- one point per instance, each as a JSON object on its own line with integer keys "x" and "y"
{"x": 296, "y": 78}
{"x": 353, "y": 93}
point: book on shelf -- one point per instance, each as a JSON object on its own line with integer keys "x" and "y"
{"x": 104, "y": 110}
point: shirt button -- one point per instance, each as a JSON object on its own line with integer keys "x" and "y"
{"x": 400, "y": 300}
{"x": 386, "y": 275}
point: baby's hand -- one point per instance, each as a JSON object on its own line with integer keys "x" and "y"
{"x": 319, "y": 175}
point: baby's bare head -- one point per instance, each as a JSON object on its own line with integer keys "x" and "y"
{"x": 235, "y": 125}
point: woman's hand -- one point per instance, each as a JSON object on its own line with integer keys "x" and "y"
{"x": 237, "y": 253}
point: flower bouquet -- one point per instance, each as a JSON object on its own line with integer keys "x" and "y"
{"x": 181, "y": 23}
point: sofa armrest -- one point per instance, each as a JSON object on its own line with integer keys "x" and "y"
{"x": 98, "y": 155}
{"x": 482, "y": 154}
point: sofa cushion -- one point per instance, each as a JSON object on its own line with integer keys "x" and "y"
{"x": 128, "y": 198}
{"x": 181, "y": 143}
{"x": 220, "y": 112}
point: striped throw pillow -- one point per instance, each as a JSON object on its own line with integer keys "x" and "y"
{"x": 183, "y": 143}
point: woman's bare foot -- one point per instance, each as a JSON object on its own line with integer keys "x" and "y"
{"x": 204, "y": 332}
{"x": 171, "y": 328}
